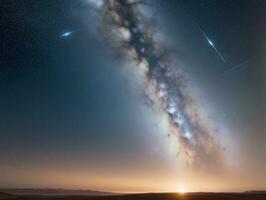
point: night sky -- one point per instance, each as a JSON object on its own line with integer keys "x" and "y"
{"x": 76, "y": 113}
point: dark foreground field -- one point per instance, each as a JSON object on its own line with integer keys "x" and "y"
{"x": 155, "y": 196}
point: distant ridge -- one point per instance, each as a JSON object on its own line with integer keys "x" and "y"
{"x": 6, "y": 196}
{"x": 48, "y": 191}
{"x": 256, "y": 192}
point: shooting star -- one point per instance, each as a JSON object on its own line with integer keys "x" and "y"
{"x": 67, "y": 34}
{"x": 212, "y": 45}
{"x": 237, "y": 66}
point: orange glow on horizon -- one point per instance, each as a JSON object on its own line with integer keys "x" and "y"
{"x": 182, "y": 190}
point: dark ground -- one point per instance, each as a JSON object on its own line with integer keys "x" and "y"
{"x": 151, "y": 196}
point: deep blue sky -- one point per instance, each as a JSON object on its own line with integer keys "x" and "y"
{"x": 67, "y": 104}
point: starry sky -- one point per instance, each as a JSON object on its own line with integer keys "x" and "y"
{"x": 75, "y": 113}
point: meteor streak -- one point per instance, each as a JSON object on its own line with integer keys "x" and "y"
{"x": 212, "y": 45}
{"x": 67, "y": 34}
{"x": 237, "y": 66}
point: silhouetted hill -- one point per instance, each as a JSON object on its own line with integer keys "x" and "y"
{"x": 256, "y": 192}
{"x": 29, "y": 191}
{"x": 6, "y": 196}
{"x": 152, "y": 196}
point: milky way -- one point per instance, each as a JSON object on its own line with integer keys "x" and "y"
{"x": 125, "y": 23}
